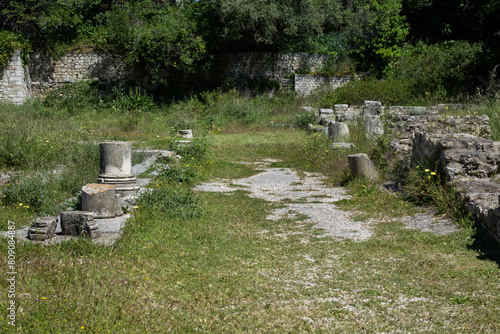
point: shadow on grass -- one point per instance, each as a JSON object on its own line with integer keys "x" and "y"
{"x": 485, "y": 245}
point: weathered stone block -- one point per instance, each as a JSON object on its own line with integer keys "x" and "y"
{"x": 361, "y": 165}
{"x": 372, "y": 107}
{"x": 99, "y": 199}
{"x": 373, "y": 124}
{"x": 186, "y": 133}
{"x": 340, "y": 107}
{"x": 79, "y": 223}
{"x": 43, "y": 228}
{"x": 337, "y": 131}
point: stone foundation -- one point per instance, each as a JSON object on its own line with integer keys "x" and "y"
{"x": 470, "y": 164}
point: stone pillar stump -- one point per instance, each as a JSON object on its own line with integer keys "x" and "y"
{"x": 116, "y": 167}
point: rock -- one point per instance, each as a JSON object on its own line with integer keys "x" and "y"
{"x": 340, "y": 107}
{"x": 337, "y": 131}
{"x": 326, "y": 112}
{"x": 43, "y": 228}
{"x": 186, "y": 133}
{"x": 373, "y": 124}
{"x": 343, "y": 145}
{"x": 346, "y": 116}
{"x": 79, "y": 223}
{"x": 361, "y": 165}
{"x": 415, "y": 111}
{"x": 100, "y": 200}
{"x": 372, "y": 107}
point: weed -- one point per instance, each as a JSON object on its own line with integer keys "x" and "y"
{"x": 182, "y": 204}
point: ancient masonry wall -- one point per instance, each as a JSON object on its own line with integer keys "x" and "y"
{"x": 307, "y": 84}
{"x": 46, "y": 73}
{"x": 14, "y": 81}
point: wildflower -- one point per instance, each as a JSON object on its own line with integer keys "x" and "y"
{"x": 427, "y": 170}
{"x": 433, "y": 173}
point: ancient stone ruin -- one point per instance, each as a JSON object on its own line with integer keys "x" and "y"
{"x": 116, "y": 167}
{"x": 459, "y": 144}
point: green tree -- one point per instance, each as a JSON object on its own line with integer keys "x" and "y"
{"x": 262, "y": 24}
{"x": 155, "y": 38}
{"x": 377, "y": 31}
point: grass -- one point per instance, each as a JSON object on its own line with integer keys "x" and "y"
{"x": 229, "y": 269}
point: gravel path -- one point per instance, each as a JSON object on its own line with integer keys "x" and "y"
{"x": 306, "y": 195}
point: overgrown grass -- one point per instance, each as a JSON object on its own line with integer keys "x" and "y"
{"x": 211, "y": 262}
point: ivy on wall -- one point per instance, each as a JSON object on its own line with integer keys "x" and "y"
{"x": 9, "y": 43}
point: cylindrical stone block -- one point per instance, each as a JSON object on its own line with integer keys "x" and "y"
{"x": 116, "y": 159}
{"x": 116, "y": 167}
{"x": 99, "y": 199}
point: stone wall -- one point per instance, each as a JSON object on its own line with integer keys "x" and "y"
{"x": 306, "y": 84}
{"x": 471, "y": 165}
{"x": 14, "y": 81}
{"x": 243, "y": 69}
{"x": 48, "y": 73}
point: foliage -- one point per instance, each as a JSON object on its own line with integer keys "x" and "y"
{"x": 425, "y": 186}
{"x": 74, "y": 97}
{"x": 377, "y": 30}
{"x": 159, "y": 39}
{"x": 9, "y": 42}
{"x": 182, "y": 204}
{"x": 264, "y": 23}
{"x": 442, "y": 70}
{"x": 303, "y": 120}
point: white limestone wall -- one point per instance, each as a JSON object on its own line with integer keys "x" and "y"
{"x": 14, "y": 81}
{"x": 307, "y": 84}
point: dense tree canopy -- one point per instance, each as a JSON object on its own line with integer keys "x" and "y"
{"x": 173, "y": 38}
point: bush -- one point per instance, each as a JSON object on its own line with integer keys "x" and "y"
{"x": 9, "y": 42}
{"x": 75, "y": 96}
{"x": 303, "y": 120}
{"x": 442, "y": 70}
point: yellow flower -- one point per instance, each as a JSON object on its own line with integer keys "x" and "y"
{"x": 427, "y": 170}
{"x": 432, "y": 173}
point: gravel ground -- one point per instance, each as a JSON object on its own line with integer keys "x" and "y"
{"x": 307, "y": 196}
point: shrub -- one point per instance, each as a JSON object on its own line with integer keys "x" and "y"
{"x": 442, "y": 70}
{"x": 303, "y": 120}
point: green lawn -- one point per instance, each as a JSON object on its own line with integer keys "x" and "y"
{"x": 217, "y": 272}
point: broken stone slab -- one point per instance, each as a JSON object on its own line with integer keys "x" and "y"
{"x": 79, "y": 223}
{"x": 373, "y": 124}
{"x": 361, "y": 165}
{"x": 99, "y": 199}
{"x": 372, "y": 107}
{"x": 340, "y": 107}
{"x": 346, "y": 116}
{"x": 326, "y": 112}
{"x": 185, "y": 133}
{"x": 316, "y": 128}
{"x": 337, "y": 131}
{"x": 116, "y": 167}
{"x": 343, "y": 145}
{"x": 416, "y": 111}
{"x": 43, "y": 228}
